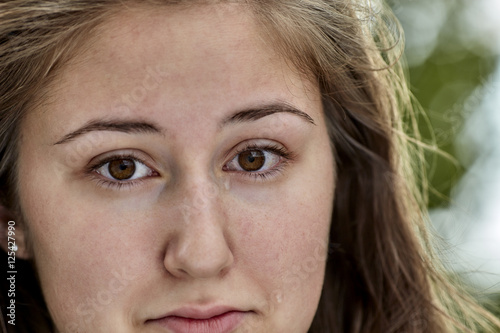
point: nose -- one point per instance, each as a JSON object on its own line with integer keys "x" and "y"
{"x": 200, "y": 247}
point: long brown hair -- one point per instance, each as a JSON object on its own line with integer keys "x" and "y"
{"x": 382, "y": 275}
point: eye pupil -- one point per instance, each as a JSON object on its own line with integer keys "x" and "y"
{"x": 252, "y": 160}
{"x": 121, "y": 169}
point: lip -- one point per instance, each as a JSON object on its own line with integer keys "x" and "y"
{"x": 213, "y": 320}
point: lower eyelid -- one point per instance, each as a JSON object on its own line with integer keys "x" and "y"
{"x": 284, "y": 158}
{"x": 263, "y": 175}
{"x": 92, "y": 170}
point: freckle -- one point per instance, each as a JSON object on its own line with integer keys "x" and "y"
{"x": 245, "y": 230}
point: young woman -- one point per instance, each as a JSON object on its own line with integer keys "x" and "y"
{"x": 212, "y": 166}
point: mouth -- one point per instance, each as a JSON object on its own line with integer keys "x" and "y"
{"x": 214, "y": 320}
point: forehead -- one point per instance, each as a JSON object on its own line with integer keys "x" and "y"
{"x": 152, "y": 60}
{"x": 179, "y": 33}
{"x": 179, "y": 39}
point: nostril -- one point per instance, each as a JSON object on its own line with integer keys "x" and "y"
{"x": 199, "y": 255}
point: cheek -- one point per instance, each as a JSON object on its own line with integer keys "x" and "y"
{"x": 286, "y": 226}
{"x": 283, "y": 236}
{"x": 286, "y": 254}
{"x": 283, "y": 243}
{"x": 87, "y": 252}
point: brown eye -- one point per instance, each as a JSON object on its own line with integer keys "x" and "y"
{"x": 258, "y": 161}
{"x": 252, "y": 160}
{"x": 121, "y": 169}
{"x": 124, "y": 169}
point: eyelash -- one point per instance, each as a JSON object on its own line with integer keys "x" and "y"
{"x": 281, "y": 152}
{"x": 284, "y": 155}
{"x": 108, "y": 183}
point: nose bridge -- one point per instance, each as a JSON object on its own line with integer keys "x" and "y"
{"x": 200, "y": 196}
{"x": 200, "y": 248}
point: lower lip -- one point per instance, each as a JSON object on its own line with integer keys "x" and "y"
{"x": 223, "y": 323}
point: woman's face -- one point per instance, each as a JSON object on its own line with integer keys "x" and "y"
{"x": 180, "y": 179}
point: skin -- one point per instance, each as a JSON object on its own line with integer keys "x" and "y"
{"x": 192, "y": 230}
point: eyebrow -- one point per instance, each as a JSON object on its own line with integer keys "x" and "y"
{"x": 142, "y": 127}
{"x": 267, "y": 110}
{"x": 111, "y": 125}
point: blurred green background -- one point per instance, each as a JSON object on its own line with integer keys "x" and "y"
{"x": 453, "y": 49}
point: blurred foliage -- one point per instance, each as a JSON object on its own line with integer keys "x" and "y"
{"x": 443, "y": 82}
{"x": 442, "y": 89}
{"x": 494, "y": 305}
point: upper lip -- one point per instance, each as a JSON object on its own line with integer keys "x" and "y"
{"x": 200, "y": 312}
